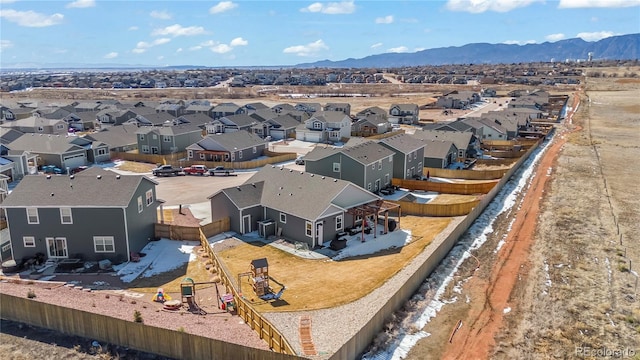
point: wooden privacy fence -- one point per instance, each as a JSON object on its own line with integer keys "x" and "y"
{"x": 162, "y": 341}
{"x": 465, "y": 174}
{"x": 445, "y": 188}
{"x": 509, "y": 154}
{"x": 259, "y": 324}
{"x": 436, "y": 210}
{"x": 511, "y": 143}
{"x": 496, "y": 162}
{"x": 177, "y": 232}
{"x": 149, "y": 158}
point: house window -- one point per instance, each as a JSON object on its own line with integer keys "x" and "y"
{"x": 369, "y": 186}
{"x": 408, "y": 173}
{"x": 154, "y": 136}
{"x": 380, "y": 165}
{"x": 386, "y": 179}
{"x": 102, "y": 151}
{"x": 141, "y": 136}
{"x": 202, "y": 156}
{"x": 233, "y": 156}
{"x": 29, "y": 241}
{"x": 65, "y": 216}
{"x": 60, "y": 126}
{"x": 336, "y": 167}
{"x": 415, "y": 155}
{"x": 190, "y": 154}
{"x": 255, "y": 150}
{"x": 420, "y": 165}
{"x": 32, "y": 216}
{"x": 140, "y": 204}
{"x": 145, "y": 149}
{"x": 373, "y": 166}
{"x": 40, "y": 129}
{"x": 6, "y": 248}
{"x": 339, "y": 222}
{"x": 104, "y": 244}
{"x": 283, "y": 218}
{"x": 390, "y": 158}
{"x": 308, "y": 228}
{"x": 149, "y": 197}
{"x": 166, "y": 138}
{"x": 408, "y": 157}
{"x": 240, "y": 154}
{"x": 317, "y": 125}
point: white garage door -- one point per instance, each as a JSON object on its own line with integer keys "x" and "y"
{"x": 277, "y": 134}
{"x": 74, "y": 161}
{"x": 314, "y": 136}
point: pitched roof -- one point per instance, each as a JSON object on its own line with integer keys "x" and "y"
{"x": 367, "y": 152}
{"x": 306, "y": 195}
{"x": 285, "y": 121}
{"x": 232, "y": 141}
{"x": 402, "y": 142}
{"x": 461, "y": 139}
{"x": 320, "y": 152}
{"x": 437, "y": 148}
{"x": 245, "y": 195}
{"x": 85, "y": 189}
{"x": 9, "y": 135}
{"x": 156, "y": 118}
{"x": 44, "y": 144}
{"x": 116, "y": 136}
{"x": 241, "y": 120}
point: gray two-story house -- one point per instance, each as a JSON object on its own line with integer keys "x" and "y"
{"x": 408, "y": 158}
{"x": 235, "y": 146}
{"x": 368, "y": 165}
{"x": 166, "y": 140}
{"x": 93, "y": 215}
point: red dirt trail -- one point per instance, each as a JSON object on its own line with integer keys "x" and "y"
{"x": 476, "y": 338}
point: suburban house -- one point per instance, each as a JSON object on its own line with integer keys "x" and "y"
{"x": 153, "y": 119}
{"x": 120, "y": 138}
{"x": 309, "y": 107}
{"x": 368, "y": 126}
{"x": 487, "y": 129}
{"x": 230, "y": 147}
{"x": 368, "y": 165}
{"x": 81, "y": 121}
{"x": 238, "y": 122}
{"x": 458, "y": 99}
{"x": 342, "y": 107}
{"x": 175, "y": 110}
{"x": 282, "y": 127}
{"x": 253, "y": 107}
{"x": 283, "y": 108}
{"x": 467, "y": 144}
{"x": 204, "y": 109}
{"x": 166, "y": 140}
{"x": 92, "y": 215}
{"x": 38, "y": 125}
{"x": 226, "y": 109}
{"x": 374, "y": 112}
{"x": 52, "y": 150}
{"x": 439, "y": 153}
{"x": 263, "y": 114}
{"x": 298, "y": 206}
{"x": 110, "y": 117}
{"x": 404, "y": 114}
{"x": 325, "y": 126}
{"x": 408, "y": 155}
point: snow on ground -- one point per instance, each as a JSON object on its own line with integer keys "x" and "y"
{"x": 356, "y": 247}
{"x": 160, "y": 256}
{"x": 428, "y": 300}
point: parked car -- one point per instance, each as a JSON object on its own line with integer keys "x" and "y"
{"x": 196, "y": 170}
{"x": 167, "y": 170}
{"x": 221, "y": 170}
{"x": 300, "y": 160}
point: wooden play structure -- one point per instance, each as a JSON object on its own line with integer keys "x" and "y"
{"x": 260, "y": 276}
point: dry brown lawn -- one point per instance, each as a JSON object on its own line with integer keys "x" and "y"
{"x": 319, "y": 284}
{"x": 137, "y": 167}
{"x": 453, "y": 199}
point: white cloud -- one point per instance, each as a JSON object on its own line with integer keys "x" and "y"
{"x": 31, "y": 18}
{"x": 555, "y": 37}
{"x": 178, "y": 30}
{"x": 519, "y": 42}
{"x": 572, "y": 4}
{"x": 310, "y": 49}
{"x": 222, "y": 6}
{"x": 344, "y": 7}
{"x": 376, "y": 45}
{"x": 385, "y": 20}
{"x": 195, "y": 48}
{"x": 480, "y": 6}
{"x": 162, "y": 15}
{"x": 78, "y": 4}
{"x": 160, "y": 57}
{"x": 399, "y": 49}
{"x": 143, "y": 46}
{"x": 596, "y": 35}
{"x": 238, "y": 42}
{"x": 179, "y": 50}
{"x": 132, "y": 28}
{"x": 221, "y": 48}
{"x": 111, "y": 55}
{"x": 5, "y": 44}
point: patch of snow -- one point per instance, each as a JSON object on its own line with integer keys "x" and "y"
{"x": 161, "y": 256}
{"x": 394, "y": 239}
{"x": 506, "y": 310}
{"x": 429, "y": 297}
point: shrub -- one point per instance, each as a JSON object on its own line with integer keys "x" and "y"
{"x": 137, "y": 317}
{"x": 31, "y": 294}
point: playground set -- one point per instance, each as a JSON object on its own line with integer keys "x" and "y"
{"x": 259, "y": 278}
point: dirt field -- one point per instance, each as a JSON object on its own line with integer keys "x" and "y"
{"x": 561, "y": 287}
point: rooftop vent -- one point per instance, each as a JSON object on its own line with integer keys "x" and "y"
{"x": 48, "y": 177}
{"x": 311, "y": 175}
{"x": 238, "y": 187}
{"x": 335, "y": 180}
{"x": 323, "y": 177}
{"x": 72, "y": 176}
{"x": 52, "y": 194}
{"x": 290, "y": 170}
{"x": 99, "y": 177}
{"x": 118, "y": 177}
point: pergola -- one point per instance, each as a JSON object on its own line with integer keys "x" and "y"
{"x": 375, "y": 209}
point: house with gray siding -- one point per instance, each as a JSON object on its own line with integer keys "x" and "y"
{"x": 38, "y": 125}
{"x": 298, "y": 206}
{"x": 120, "y": 138}
{"x": 166, "y": 140}
{"x": 55, "y": 150}
{"x": 439, "y": 153}
{"x": 368, "y": 165}
{"x": 404, "y": 114}
{"x": 325, "y": 126}
{"x": 93, "y": 215}
{"x": 408, "y": 158}
{"x": 235, "y": 146}
{"x": 466, "y": 142}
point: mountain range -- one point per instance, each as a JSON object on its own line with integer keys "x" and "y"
{"x": 623, "y": 47}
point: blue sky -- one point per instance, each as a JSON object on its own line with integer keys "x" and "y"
{"x": 271, "y": 33}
